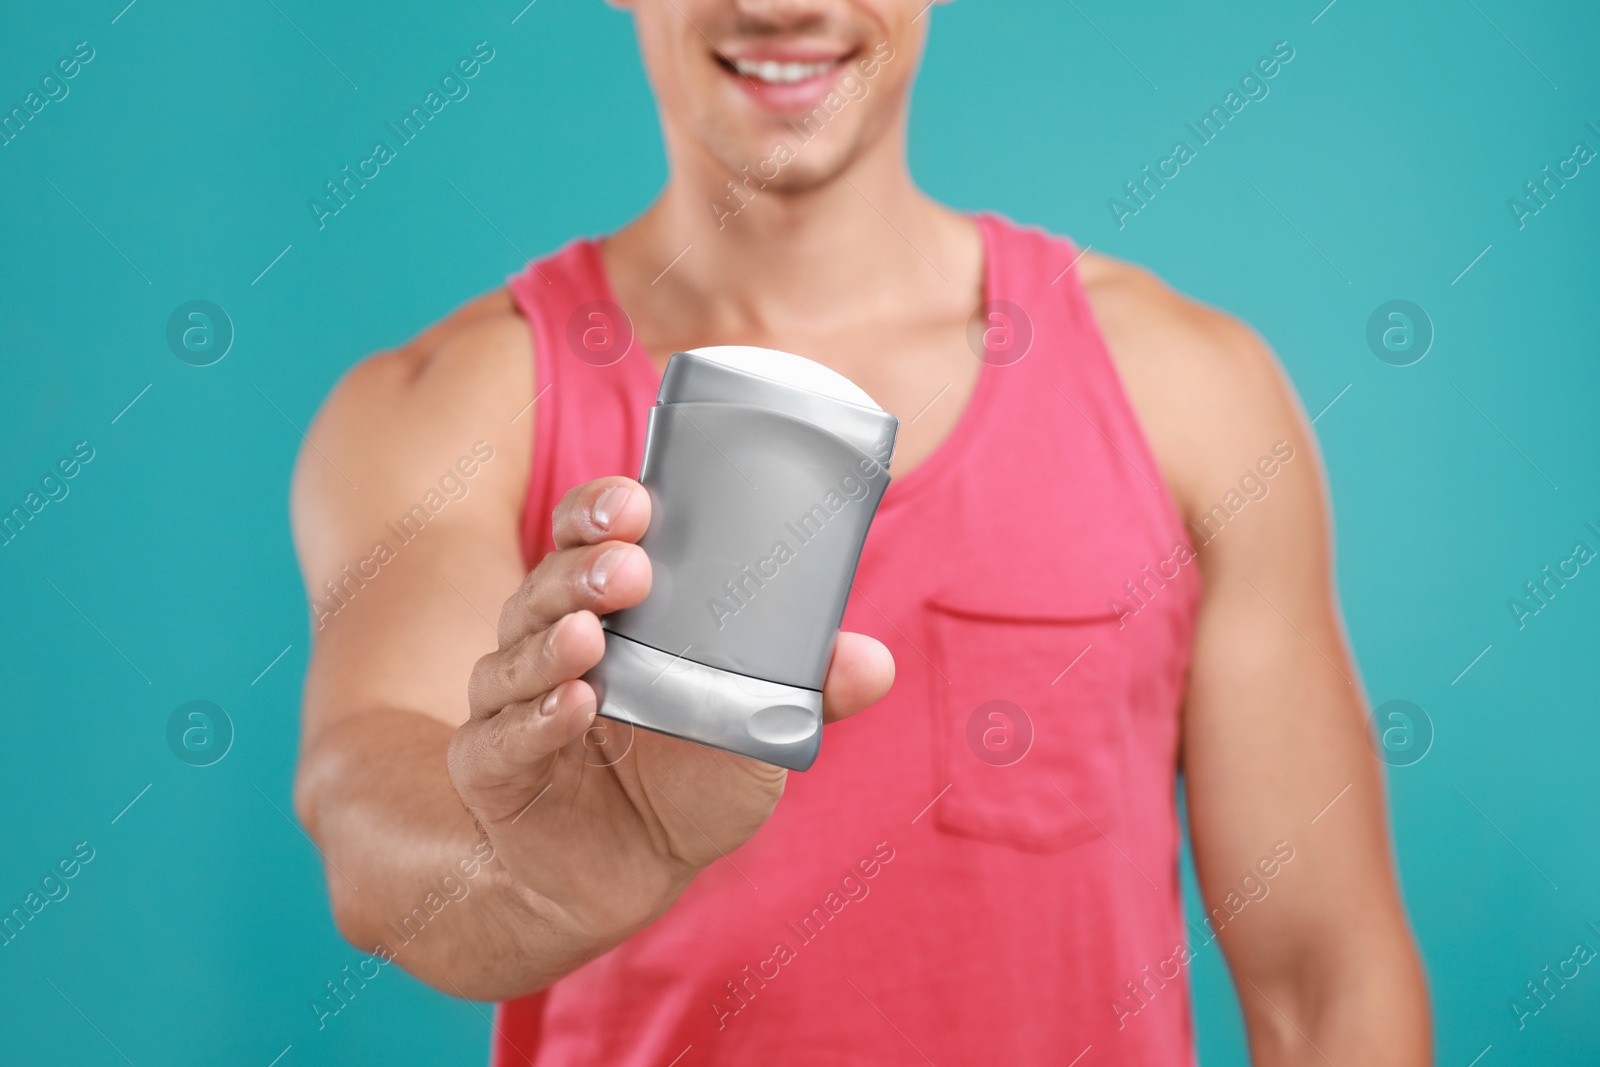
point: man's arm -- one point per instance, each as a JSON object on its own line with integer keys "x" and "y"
{"x": 394, "y": 645}
{"x": 467, "y": 828}
{"x": 1274, "y": 732}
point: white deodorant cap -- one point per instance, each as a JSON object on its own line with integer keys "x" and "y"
{"x": 790, "y": 369}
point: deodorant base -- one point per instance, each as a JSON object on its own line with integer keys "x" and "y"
{"x": 768, "y": 721}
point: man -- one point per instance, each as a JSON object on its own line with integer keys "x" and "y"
{"x": 1104, "y": 558}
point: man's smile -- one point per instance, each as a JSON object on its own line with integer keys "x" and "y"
{"x": 785, "y": 80}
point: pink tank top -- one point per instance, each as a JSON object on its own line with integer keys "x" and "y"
{"x": 983, "y": 867}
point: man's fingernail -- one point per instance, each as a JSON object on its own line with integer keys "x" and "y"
{"x": 600, "y": 570}
{"x": 609, "y": 505}
{"x": 547, "y": 706}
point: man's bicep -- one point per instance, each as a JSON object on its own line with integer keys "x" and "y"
{"x": 1276, "y": 759}
{"x": 406, "y": 505}
{"x": 407, "y": 636}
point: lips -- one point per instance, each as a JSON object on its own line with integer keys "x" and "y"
{"x": 784, "y": 83}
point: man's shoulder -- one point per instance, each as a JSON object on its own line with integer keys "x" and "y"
{"x": 1154, "y": 322}
{"x": 1208, "y": 391}
{"x": 398, "y": 414}
{"x": 484, "y": 338}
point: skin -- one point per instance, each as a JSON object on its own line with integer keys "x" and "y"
{"x": 443, "y": 709}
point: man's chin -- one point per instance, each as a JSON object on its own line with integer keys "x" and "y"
{"x": 787, "y": 166}
{"x": 797, "y": 181}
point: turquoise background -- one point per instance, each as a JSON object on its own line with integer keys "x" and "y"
{"x": 188, "y": 149}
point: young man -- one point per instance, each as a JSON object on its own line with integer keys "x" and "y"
{"x": 1104, "y": 558}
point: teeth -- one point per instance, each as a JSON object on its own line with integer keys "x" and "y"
{"x": 782, "y": 73}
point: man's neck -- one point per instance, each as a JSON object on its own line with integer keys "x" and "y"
{"x": 709, "y": 261}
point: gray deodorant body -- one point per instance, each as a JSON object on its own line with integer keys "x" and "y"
{"x": 764, "y": 471}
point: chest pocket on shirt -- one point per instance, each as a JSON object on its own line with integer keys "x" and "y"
{"x": 1031, "y": 723}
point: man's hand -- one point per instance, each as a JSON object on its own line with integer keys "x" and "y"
{"x": 604, "y": 823}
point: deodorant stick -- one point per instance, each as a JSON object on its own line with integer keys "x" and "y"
{"x": 764, "y": 471}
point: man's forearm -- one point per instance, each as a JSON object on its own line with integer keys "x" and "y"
{"x": 411, "y": 876}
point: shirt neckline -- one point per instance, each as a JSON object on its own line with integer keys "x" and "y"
{"x": 949, "y": 450}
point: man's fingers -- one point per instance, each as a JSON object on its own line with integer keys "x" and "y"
{"x": 860, "y": 674}
{"x": 536, "y": 664}
{"x": 601, "y": 578}
{"x": 501, "y": 764}
{"x": 606, "y": 509}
